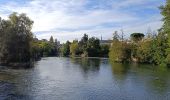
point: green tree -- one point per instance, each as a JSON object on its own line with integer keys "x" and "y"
{"x": 136, "y": 37}
{"x": 159, "y": 46}
{"x": 83, "y": 44}
{"x": 16, "y": 37}
{"x": 93, "y": 47}
{"x": 104, "y": 51}
{"x": 74, "y": 48}
{"x": 120, "y": 51}
{"x": 51, "y": 39}
{"x": 144, "y": 52}
{"x": 115, "y": 36}
{"x": 65, "y": 49}
{"x": 165, "y": 11}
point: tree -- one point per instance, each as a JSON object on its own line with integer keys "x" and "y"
{"x": 136, "y": 37}
{"x": 74, "y": 48}
{"x": 159, "y": 46}
{"x": 115, "y": 36}
{"x": 144, "y": 52}
{"x": 165, "y": 11}
{"x": 16, "y": 37}
{"x": 93, "y": 47}
{"x": 57, "y": 47}
{"x": 43, "y": 48}
{"x": 65, "y": 50}
{"x": 149, "y": 33}
{"x": 83, "y": 43}
{"x": 47, "y": 48}
{"x": 51, "y": 39}
{"x": 104, "y": 51}
{"x": 120, "y": 52}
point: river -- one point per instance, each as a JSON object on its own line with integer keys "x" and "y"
{"x": 54, "y": 78}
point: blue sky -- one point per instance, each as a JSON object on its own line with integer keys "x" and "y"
{"x": 70, "y": 19}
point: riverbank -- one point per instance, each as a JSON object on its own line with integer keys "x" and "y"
{"x": 92, "y": 57}
{"x": 18, "y": 64}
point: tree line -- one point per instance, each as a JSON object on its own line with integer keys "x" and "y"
{"x": 18, "y": 45}
{"x": 44, "y": 48}
{"x": 152, "y": 48}
{"x": 86, "y": 47}
{"x": 140, "y": 48}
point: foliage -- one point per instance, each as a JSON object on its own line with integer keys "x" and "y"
{"x": 83, "y": 43}
{"x": 17, "y": 44}
{"x": 104, "y": 51}
{"x": 85, "y": 47}
{"x": 150, "y": 50}
{"x": 65, "y": 49}
{"x": 74, "y": 48}
{"x": 159, "y": 46}
{"x": 48, "y": 48}
{"x": 165, "y": 11}
{"x": 144, "y": 52}
{"x": 93, "y": 47}
{"x": 120, "y": 51}
{"x": 115, "y": 36}
{"x": 137, "y": 36}
{"x": 16, "y": 37}
{"x": 51, "y": 39}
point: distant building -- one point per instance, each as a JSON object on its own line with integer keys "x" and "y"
{"x": 44, "y": 40}
{"x": 105, "y": 42}
{"x": 35, "y": 39}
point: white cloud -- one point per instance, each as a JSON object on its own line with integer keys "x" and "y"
{"x": 52, "y": 16}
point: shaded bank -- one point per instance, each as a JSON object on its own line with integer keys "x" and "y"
{"x": 19, "y": 65}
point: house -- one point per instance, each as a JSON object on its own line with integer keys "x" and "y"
{"x": 105, "y": 42}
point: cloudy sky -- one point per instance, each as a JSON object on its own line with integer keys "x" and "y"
{"x": 70, "y": 19}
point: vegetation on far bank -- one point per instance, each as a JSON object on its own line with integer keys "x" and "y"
{"x": 86, "y": 47}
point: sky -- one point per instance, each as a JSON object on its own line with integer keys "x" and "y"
{"x": 70, "y": 19}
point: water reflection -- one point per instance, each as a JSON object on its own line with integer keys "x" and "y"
{"x": 161, "y": 80}
{"x": 153, "y": 80}
{"x": 120, "y": 69}
{"x": 85, "y": 79}
{"x": 87, "y": 65}
{"x": 119, "y": 74}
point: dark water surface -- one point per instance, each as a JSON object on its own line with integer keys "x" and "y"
{"x": 85, "y": 79}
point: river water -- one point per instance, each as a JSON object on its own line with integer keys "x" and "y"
{"x": 84, "y": 79}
